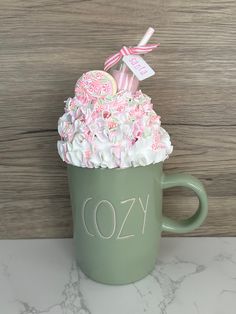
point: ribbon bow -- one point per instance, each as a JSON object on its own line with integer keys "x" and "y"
{"x": 125, "y": 51}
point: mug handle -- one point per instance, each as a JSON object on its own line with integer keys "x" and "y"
{"x": 186, "y": 225}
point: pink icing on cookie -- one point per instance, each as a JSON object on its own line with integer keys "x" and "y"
{"x": 95, "y": 84}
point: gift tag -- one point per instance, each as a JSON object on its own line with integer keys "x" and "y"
{"x": 138, "y": 66}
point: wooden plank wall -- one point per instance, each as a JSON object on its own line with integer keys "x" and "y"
{"x": 47, "y": 44}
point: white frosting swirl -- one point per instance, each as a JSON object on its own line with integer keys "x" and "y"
{"x": 116, "y": 131}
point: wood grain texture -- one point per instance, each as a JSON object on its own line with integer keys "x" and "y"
{"x": 46, "y": 45}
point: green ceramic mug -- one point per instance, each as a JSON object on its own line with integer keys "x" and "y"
{"x": 117, "y": 216}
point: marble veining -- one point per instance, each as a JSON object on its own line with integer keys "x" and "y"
{"x": 192, "y": 276}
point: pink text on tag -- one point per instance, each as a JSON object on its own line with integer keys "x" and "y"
{"x": 138, "y": 66}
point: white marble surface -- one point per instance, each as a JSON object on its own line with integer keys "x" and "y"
{"x": 192, "y": 276}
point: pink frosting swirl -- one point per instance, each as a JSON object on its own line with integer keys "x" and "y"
{"x": 121, "y": 130}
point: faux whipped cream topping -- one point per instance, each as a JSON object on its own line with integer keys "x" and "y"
{"x": 121, "y": 131}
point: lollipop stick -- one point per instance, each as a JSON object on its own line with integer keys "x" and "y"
{"x": 146, "y": 36}
{"x": 125, "y": 79}
{"x": 142, "y": 42}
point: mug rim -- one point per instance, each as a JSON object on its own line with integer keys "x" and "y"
{"x": 117, "y": 169}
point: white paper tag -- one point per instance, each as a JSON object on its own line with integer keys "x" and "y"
{"x": 138, "y": 66}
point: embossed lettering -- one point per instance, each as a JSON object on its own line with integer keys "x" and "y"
{"x": 114, "y": 219}
{"x": 144, "y": 211}
{"x": 123, "y": 223}
{"x": 83, "y": 218}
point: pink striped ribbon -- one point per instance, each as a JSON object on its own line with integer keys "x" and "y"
{"x": 125, "y": 51}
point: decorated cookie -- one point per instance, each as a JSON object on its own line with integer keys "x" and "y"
{"x": 95, "y": 84}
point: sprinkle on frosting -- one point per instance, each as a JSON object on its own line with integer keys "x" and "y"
{"x": 120, "y": 130}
